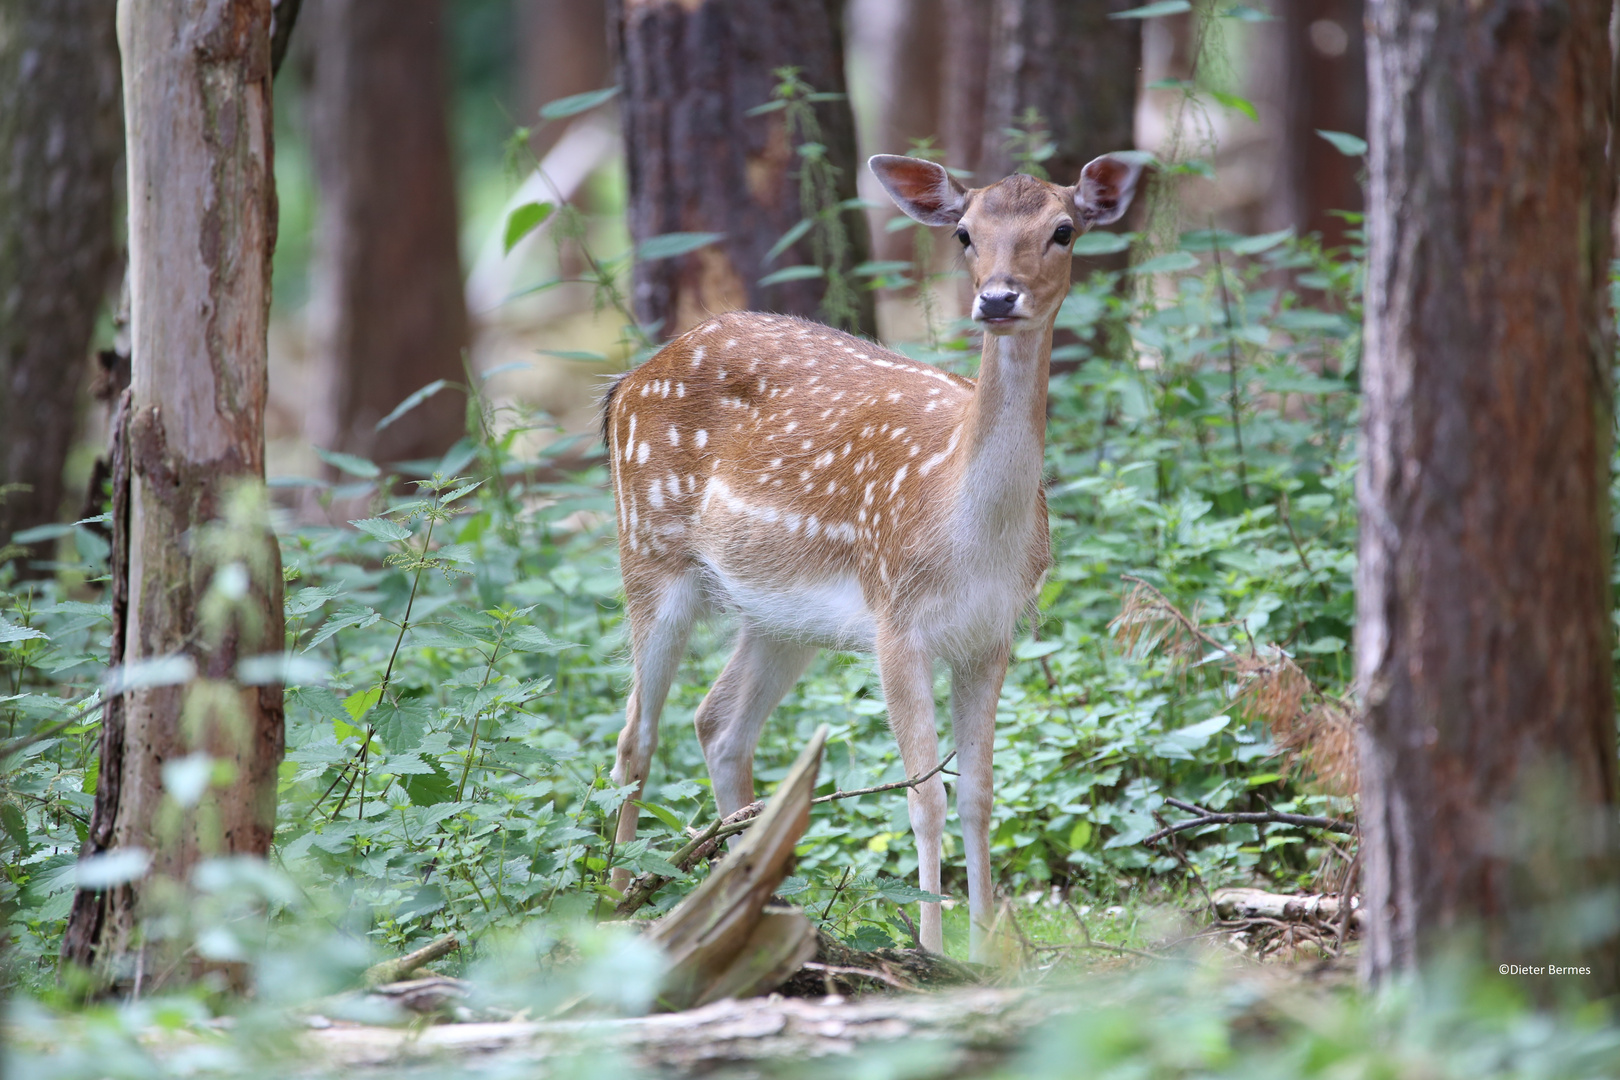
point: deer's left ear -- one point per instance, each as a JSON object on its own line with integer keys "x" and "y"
{"x": 1104, "y": 192}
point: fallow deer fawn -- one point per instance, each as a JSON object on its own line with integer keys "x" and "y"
{"x": 833, "y": 494}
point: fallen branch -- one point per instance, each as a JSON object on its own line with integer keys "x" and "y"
{"x": 707, "y": 842}
{"x": 1259, "y": 906}
{"x": 1256, "y": 817}
{"x": 392, "y": 971}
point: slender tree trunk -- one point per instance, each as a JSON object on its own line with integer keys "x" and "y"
{"x": 1323, "y": 87}
{"x": 564, "y": 47}
{"x": 202, "y": 227}
{"x": 1483, "y": 641}
{"x": 691, "y": 71}
{"x": 60, "y": 139}
{"x": 1074, "y": 66}
{"x": 965, "y": 64}
{"x": 388, "y": 315}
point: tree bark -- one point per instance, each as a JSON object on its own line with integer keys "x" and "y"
{"x": 388, "y": 315}
{"x": 691, "y": 71}
{"x": 964, "y": 67}
{"x": 1483, "y": 642}
{"x": 564, "y": 51}
{"x": 202, "y": 228}
{"x": 1072, "y": 64}
{"x": 60, "y": 140}
{"x": 1323, "y": 88}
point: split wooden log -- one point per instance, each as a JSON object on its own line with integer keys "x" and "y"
{"x": 719, "y": 940}
{"x": 1239, "y": 904}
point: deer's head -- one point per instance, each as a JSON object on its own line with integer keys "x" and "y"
{"x": 1016, "y": 234}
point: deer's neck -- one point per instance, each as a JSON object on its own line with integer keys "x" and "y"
{"x": 1004, "y": 437}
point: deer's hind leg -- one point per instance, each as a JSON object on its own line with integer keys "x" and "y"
{"x": 759, "y": 674}
{"x": 661, "y": 618}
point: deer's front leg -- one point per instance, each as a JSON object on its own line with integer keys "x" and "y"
{"x": 975, "y": 689}
{"x": 908, "y": 691}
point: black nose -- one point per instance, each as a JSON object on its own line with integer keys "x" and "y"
{"x": 997, "y": 305}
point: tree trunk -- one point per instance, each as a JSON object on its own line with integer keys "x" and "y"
{"x": 1323, "y": 88}
{"x": 564, "y": 51}
{"x": 1483, "y": 643}
{"x": 388, "y": 315}
{"x": 201, "y": 230}
{"x": 964, "y": 66}
{"x": 60, "y": 139}
{"x": 1073, "y": 65}
{"x": 691, "y": 71}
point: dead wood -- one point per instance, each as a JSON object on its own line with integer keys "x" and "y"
{"x": 1256, "y": 817}
{"x": 1256, "y": 904}
{"x": 718, "y": 940}
{"x": 392, "y": 971}
{"x": 972, "y": 1029}
{"x": 841, "y": 969}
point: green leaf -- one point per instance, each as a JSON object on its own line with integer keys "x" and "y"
{"x": 430, "y": 788}
{"x": 902, "y": 893}
{"x": 534, "y": 639}
{"x": 1080, "y": 835}
{"x": 348, "y": 463}
{"x": 788, "y": 239}
{"x": 15, "y": 825}
{"x": 1168, "y": 263}
{"x": 1034, "y": 650}
{"x": 1154, "y": 11}
{"x": 1103, "y": 243}
{"x": 1236, "y": 103}
{"x": 342, "y": 620}
{"x": 305, "y": 601}
{"x": 1254, "y": 245}
{"x": 792, "y": 273}
{"x": 665, "y": 815}
{"x": 652, "y": 863}
{"x": 882, "y": 268}
{"x": 13, "y": 632}
{"x": 1182, "y": 742}
{"x": 669, "y": 245}
{"x": 361, "y": 702}
{"x": 583, "y": 355}
{"x": 522, "y": 221}
{"x": 39, "y": 533}
{"x": 575, "y": 104}
{"x": 389, "y": 532}
{"x": 1345, "y": 143}
{"x": 416, "y": 398}
{"x": 1245, "y": 13}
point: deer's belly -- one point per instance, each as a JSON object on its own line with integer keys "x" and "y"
{"x": 829, "y": 612}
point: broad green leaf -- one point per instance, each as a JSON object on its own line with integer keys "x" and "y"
{"x": 665, "y": 815}
{"x": 401, "y": 726}
{"x": 1345, "y": 143}
{"x": 575, "y": 104}
{"x": 1245, "y": 13}
{"x": 40, "y": 533}
{"x": 342, "y": 620}
{"x": 361, "y": 702}
{"x": 389, "y": 532}
{"x": 1080, "y": 835}
{"x": 792, "y": 273}
{"x": 1254, "y": 245}
{"x": 1103, "y": 243}
{"x": 1183, "y": 741}
{"x": 348, "y": 463}
{"x": 901, "y": 893}
{"x": 583, "y": 355}
{"x": 307, "y": 600}
{"x": 669, "y": 245}
{"x": 885, "y": 268}
{"x": 534, "y": 639}
{"x": 1168, "y": 263}
{"x": 416, "y": 398}
{"x": 13, "y": 632}
{"x": 522, "y": 221}
{"x": 1034, "y": 650}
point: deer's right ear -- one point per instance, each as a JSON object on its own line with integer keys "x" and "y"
{"x": 921, "y": 188}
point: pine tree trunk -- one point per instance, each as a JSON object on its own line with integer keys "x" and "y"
{"x": 691, "y": 71}
{"x": 202, "y": 228}
{"x": 388, "y": 315}
{"x": 60, "y": 139}
{"x": 1483, "y": 639}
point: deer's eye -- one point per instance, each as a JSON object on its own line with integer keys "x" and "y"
{"x": 962, "y": 235}
{"x": 1063, "y": 235}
